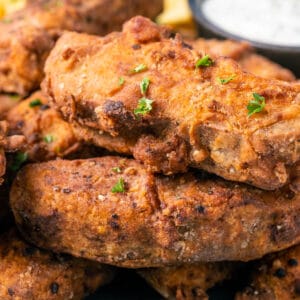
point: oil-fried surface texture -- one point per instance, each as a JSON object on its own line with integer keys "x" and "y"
{"x": 7, "y": 143}
{"x": 156, "y": 221}
{"x": 28, "y": 35}
{"x": 244, "y": 54}
{"x": 27, "y": 273}
{"x": 188, "y": 282}
{"x": 47, "y": 134}
{"x": 7, "y": 102}
{"x": 276, "y": 277}
{"x": 195, "y": 119}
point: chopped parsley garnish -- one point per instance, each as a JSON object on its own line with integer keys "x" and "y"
{"x": 48, "y": 138}
{"x": 121, "y": 81}
{"x": 226, "y": 80}
{"x": 35, "y": 102}
{"x": 144, "y": 85}
{"x": 19, "y": 159}
{"x": 116, "y": 169}
{"x": 139, "y": 68}
{"x": 119, "y": 187}
{"x": 256, "y": 105}
{"x": 204, "y": 61}
{"x": 144, "y": 106}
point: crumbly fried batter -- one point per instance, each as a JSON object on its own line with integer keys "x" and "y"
{"x": 47, "y": 135}
{"x": 195, "y": 120}
{"x": 27, "y": 273}
{"x": 8, "y": 143}
{"x": 276, "y": 277}
{"x": 244, "y": 54}
{"x": 155, "y": 221}
{"x": 188, "y": 282}
{"x": 28, "y": 35}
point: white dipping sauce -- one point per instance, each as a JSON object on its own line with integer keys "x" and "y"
{"x": 274, "y": 22}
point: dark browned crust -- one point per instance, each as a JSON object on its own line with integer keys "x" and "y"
{"x": 276, "y": 277}
{"x": 188, "y": 282}
{"x": 29, "y": 273}
{"x": 28, "y": 35}
{"x": 37, "y": 123}
{"x": 157, "y": 221}
{"x": 208, "y": 120}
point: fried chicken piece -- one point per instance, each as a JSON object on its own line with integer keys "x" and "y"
{"x": 32, "y": 274}
{"x": 28, "y": 35}
{"x": 8, "y": 143}
{"x": 188, "y": 282}
{"x": 276, "y": 277}
{"x": 244, "y": 54}
{"x": 194, "y": 120}
{"x": 121, "y": 214}
{"x": 47, "y": 135}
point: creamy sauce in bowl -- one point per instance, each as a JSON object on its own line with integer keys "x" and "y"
{"x": 275, "y": 22}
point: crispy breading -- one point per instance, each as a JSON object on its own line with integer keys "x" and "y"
{"x": 28, "y": 35}
{"x": 7, "y": 102}
{"x": 156, "y": 221}
{"x": 195, "y": 120}
{"x": 188, "y": 282}
{"x": 276, "y": 277}
{"x": 244, "y": 54}
{"x": 28, "y": 273}
{"x": 47, "y": 135}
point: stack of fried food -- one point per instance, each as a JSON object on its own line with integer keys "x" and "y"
{"x": 202, "y": 171}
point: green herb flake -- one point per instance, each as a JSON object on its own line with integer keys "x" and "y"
{"x": 116, "y": 169}
{"x": 226, "y": 80}
{"x": 144, "y": 106}
{"x": 139, "y": 68}
{"x": 256, "y": 105}
{"x": 121, "y": 81}
{"x": 119, "y": 187}
{"x": 35, "y": 102}
{"x": 204, "y": 61}
{"x": 48, "y": 138}
{"x": 19, "y": 159}
{"x": 144, "y": 85}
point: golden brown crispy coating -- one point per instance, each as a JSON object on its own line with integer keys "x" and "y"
{"x": 27, "y": 273}
{"x": 188, "y": 282}
{"x": 276, "y": 277}
{"x": 244, "y": 54}
{"x": 195, "y": 119}
{"x": 156, "y": 221}
{"x": 47, "y": 134}
{"x": 7, "y": 102}
{"x": 28, "y": 35}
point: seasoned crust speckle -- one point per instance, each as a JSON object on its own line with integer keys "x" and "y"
{"x": 30, "y": 273}
{"x": 156, "y": 221}
{"x": 209, "y": 120}
{"x": 275, "y": 277}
